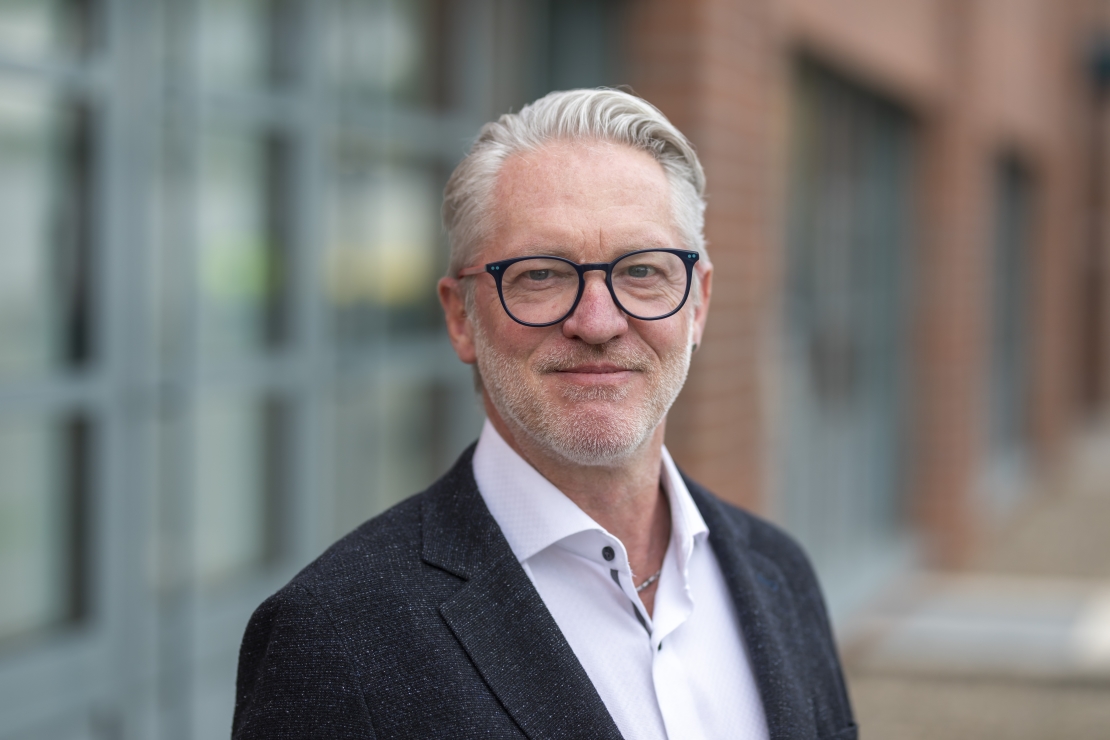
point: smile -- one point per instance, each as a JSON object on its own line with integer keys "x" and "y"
{"x": 595, "y": 374}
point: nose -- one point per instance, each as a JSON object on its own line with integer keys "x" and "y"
{"x": 596, "y": 319}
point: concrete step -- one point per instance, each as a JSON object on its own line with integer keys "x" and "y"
{"x": 986, "y": 625}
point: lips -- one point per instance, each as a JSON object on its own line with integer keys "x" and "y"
{"x": 612, "y": 361}
{"x": 596, "y": 369}
{"x": 595, "y": 376}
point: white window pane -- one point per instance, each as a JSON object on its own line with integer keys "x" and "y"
{"x": 389, "y": 440}
{"x": 385, "y": 251}
{"x": 236, "y": 43}
{"x": 35, "y": 28}
{"x": 37, "y": 533}
{"x": 387, "y": 49}
{"x": 239, "y": 254}
{"x": 233, "y": 486}
{"x": 43, "y": 232}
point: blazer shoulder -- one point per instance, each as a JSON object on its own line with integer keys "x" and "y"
{"x": 297, "y": 674}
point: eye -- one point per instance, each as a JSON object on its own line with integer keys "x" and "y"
{"x": 539, "y": 275}
{"x": 640, "y": 271}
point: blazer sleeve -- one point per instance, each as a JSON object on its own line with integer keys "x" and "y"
{"x": 297, "y": 679}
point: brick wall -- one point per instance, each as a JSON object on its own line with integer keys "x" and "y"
{"x": 982, "y": 78}
{"x": 706, "y": 64}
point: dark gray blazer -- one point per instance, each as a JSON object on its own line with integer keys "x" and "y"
{"x": 422, "y": 624}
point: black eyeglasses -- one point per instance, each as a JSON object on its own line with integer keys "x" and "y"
{"x": 648, "y": 284}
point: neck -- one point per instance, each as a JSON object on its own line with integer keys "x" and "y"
{"x": 626, "y": 498}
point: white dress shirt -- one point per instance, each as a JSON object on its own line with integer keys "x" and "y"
{"x": 682, "y": 674}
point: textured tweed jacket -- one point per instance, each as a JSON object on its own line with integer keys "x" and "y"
{"x": 422, "y": 624}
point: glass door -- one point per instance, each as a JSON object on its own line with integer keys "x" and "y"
{"x": 850, "y": 233}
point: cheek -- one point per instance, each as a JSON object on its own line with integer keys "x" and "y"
{"x": 505, "y": 338}
{"x": 516, "y": 340}
{"x": 672, "y": 337}
{"x": 493, "y": 319}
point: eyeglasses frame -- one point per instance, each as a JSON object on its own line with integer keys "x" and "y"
{"x": 497, "y": 270}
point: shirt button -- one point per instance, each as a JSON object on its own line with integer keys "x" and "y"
{"x": 607, "y": 553}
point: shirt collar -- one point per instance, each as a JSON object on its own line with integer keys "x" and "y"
{"x": 687, "y": 525}
{"x": 533, "y": 514}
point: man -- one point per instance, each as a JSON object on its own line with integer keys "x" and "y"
{"x": 563, "y": 580}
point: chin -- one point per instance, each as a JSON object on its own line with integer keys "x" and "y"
{"x": 593, "y": 424}
{"x": 589, "y": 433}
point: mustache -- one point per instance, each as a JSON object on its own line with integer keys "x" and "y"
{"x": 620, "y": 355}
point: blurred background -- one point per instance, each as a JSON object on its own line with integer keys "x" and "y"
{"x": 220, "y": 347}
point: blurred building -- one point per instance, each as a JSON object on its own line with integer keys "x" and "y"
{"x": 220, "y": 347}
{"x": 905, "y": 220}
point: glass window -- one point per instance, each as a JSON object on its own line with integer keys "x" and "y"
{"x": 236, "y": 483}
{"x": 244, "y": 44}
{"x": 36, "y": 28}
{"x": 386, "y": 253}
{"x": 583, "y": 43}
{"x": 241, "y": 259}
{"x": 203, "y": 210}
{"x": 388, "y": 49}
{"x": 844, "y": 377}
{"x": 45, "y": 231}
{"x": 1010, "y": 298}
{"x": 391, "y": 441}
{"x": 45, "y": 464}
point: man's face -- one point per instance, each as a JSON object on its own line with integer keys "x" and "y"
{"x": 595, "y": 387}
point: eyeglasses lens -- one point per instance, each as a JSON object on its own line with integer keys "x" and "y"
{"x": 538, "y": 291}
{"x": 648, "y": 285}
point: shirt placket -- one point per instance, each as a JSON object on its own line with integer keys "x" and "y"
{"x": 615, "y": 558}
{"x": 673, "y": 606}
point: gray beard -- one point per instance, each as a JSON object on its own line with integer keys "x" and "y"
{"x": 583, "y": 436}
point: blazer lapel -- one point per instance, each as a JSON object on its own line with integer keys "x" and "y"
{"x": 502, "y": 623}
{"x": 767, "y": 616}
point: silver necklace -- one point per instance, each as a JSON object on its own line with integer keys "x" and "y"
{"x": 650, "y": 580}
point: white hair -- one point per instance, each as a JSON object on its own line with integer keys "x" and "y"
{"x": 575, "y": 115}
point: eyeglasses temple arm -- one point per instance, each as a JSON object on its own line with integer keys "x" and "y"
{"x": 468, "y": 271}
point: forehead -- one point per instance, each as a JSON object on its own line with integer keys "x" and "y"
{"x": 588, "y": 199}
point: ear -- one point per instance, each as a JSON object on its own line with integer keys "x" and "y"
{"x": 704, "y": 269}
{"x": 459, "y": 329}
